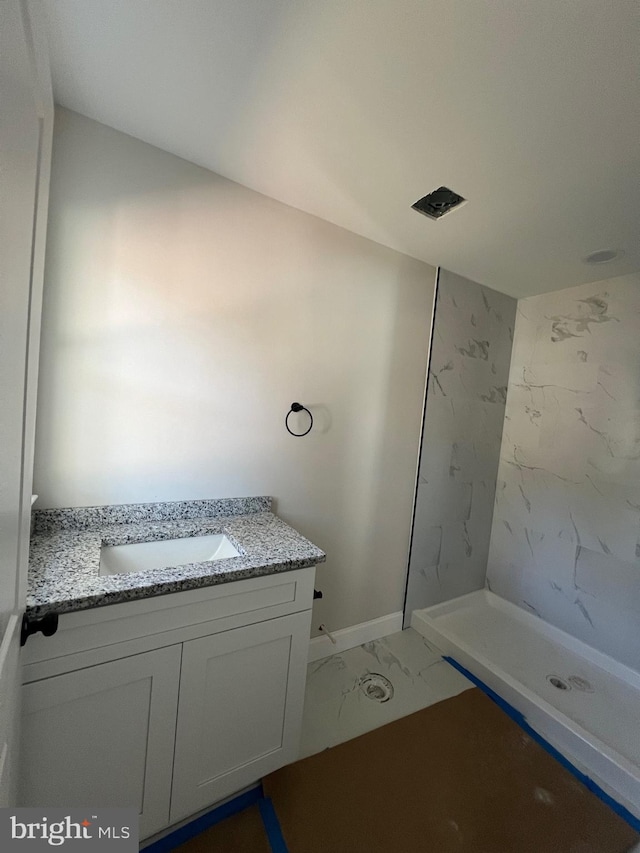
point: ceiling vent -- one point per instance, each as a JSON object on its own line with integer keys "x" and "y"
{"x": 438, "y": 202}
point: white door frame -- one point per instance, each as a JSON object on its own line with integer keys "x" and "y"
{"x": 25, "y": 162}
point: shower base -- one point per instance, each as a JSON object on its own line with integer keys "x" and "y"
{"x": 583, "y": 702}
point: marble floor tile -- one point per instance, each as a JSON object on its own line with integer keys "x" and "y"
{"x": 337, "y": 707}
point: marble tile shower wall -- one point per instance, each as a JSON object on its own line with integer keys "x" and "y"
{"x": 566, "y": 527}
{"x": 466, "y": 393}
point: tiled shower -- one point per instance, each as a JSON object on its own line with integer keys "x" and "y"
{"x": 565, "y": 540}
{"x": 462, "y": 431}
{"x": 525, "y": 557}
{"x": 552, "y": 431}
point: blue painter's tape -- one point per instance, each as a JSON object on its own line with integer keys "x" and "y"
{"x": 521, "y": 720}
{"x": 272, "y": 826}
{"x": 195, "y": 827}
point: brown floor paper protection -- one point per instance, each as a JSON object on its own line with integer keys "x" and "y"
{"x": 240, "y": 833}
{"x": 457, "y": 776}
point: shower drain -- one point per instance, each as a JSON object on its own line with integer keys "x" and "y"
{"x": 558, "y": 682}
{"x": 376, "y": 687}
{"x": 575, "y": 681}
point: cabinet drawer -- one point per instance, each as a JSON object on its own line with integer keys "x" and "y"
{"x": 215, "y": 608}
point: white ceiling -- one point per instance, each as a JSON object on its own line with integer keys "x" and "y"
{"x": 353, "y": 109}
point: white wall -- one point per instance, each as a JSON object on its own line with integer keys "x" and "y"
{"x": 184, "y": 313}
{"x": 565, "y": 542}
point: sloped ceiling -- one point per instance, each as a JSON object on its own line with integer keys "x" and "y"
{"x": 353, "y": 109}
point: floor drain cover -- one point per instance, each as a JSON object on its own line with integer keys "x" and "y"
{"x": 376, "y": 687}
{"x": 558, "y": 682}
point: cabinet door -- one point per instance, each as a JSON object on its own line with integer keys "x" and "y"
{"x": 240, "y": 709}
{"x": 104, "y": 736}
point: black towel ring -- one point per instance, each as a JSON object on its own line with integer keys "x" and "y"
{"x": 298, "y": 407}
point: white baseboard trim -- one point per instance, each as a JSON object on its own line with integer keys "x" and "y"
{"x": 356, "y": 635}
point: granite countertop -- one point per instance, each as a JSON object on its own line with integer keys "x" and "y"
{"x": 65, "y": 550}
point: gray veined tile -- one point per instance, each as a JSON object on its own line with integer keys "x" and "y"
{"x": 473, "y": 461}
{"x": 495, "y": 394}
{"x": 571, "y": 377}
{"x": 605, "y": 525}
{"x": 475, "y": 348}
{"x": 426, "y": 543}
{"x": 341, "y": 710}
{"x": 619, "y": 385}
{"x": 566, "y": 528}
{"x": 423, "y": 588}
{"x": 482, "y": 506}
{"x": 583, "y": 314}
{"x": 444, "y": 504}
{"x": 450, "y": 421}
{"x": 435, "y": 463}
{"x": 464, "y": 419}
{"x": 330, "y": 674}
{"x": 414, "y": 654}
{"x": 443, "y": 681}
{"x": 464, "y": 543}
{"x": 440, "y": 373}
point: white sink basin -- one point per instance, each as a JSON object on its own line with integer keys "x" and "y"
{"x": 116, "y": 559}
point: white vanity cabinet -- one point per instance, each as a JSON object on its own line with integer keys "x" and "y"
{"x": 170, "y": 703}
